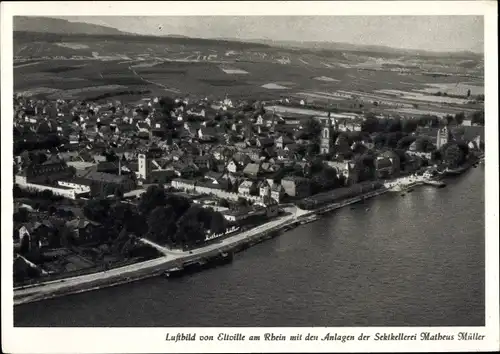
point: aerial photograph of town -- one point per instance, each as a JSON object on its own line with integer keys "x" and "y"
{"x": 248, "y": 171}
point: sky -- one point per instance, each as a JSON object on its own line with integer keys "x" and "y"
{"x": 435, "y": 33}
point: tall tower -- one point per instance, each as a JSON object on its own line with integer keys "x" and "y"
{"x": 326, "y": 137}
{"x": 144, "y": 166}
{"x": 442, "y": 137}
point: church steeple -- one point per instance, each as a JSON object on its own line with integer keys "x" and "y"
{"x": 326, "y": 136}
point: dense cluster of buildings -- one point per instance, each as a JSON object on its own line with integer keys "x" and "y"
{"x": 219, "y": 146}
{"x": 227, "y": 150}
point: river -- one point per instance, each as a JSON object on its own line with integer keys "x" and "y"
{"x": 416, "y": 260}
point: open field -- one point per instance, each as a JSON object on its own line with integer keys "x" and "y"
{"x": 456, "y": 89}
{"x": 242, "y": 70}
{"x": 234, "y": 71}
{"x": 260, "y": 81}
{"x": 420, "y": 96}
{"x": 73, "y": 45}
{"x": 325, "y": 78}
{"x": 318, "y": 95}
{"x": 274, "y": 86}
{"x": 418, "y": 112}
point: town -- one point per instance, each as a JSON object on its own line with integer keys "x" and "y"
{"x": 104, "y": 185}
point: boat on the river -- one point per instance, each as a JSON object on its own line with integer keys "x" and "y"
{"x": 223, "y": 258}
{"x": 309, "y": 219}
{"x": 435, "y": 183}
{"x": 195, "y": 266}
{"x": 173, "y": 272}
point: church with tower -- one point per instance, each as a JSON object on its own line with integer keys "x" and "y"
{"x": 443, "y": 136}
{"x": 326, "y": 146}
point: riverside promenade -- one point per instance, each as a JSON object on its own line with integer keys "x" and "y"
{"x": 402, "y": 183}
{"x": 142, "y": 270}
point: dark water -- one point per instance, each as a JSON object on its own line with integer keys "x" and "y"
{"x": 416, "y": 260}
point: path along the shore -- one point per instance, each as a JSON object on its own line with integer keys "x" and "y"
{"x": 173, "y": 257}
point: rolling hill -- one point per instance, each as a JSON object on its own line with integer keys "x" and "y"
{"x": 50, "y": 26}
{"x": 53, "y": 25}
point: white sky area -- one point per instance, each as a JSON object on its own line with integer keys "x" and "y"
{"x": 436, "y": 33}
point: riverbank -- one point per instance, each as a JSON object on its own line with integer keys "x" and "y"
{"x": 178, "y": 258}
{"x": 143, "y": 270}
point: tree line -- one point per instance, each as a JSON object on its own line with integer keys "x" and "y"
{"x": 160, "y": 216}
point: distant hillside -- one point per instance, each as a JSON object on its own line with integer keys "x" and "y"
{"x": 58, "y": 26}
{"x": 51, "y": 27}
{"x": 128, "y": 40}
{"x": 365, "y": 49}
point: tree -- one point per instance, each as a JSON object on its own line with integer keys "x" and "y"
{"x": 111, "y": 156}
{"x": 459, "y": 117}
{"x": 108, "y": 189}
{"x": 121, "y": 240}
{"x": 424, "y": 144}
{"x": 436, "y": 155}
{"x": 120, "y": 215}
{"x": 153, "y": 197}
{"x": 402, "y": 158}
{"x": 394, "y": 125}
{"x": 312, "y": 149}
{"x": 468, "y": 93}
{"x": 25, "y": 245}
{"x": 224, "y": 203}
{"x": 167, "y": 105}
{"x": 329, "y": 173}
{"x": 161, "y": 224}
{"x": 342, "y": 142}
{"x": 191, "y": 226}
{"x": 190, "y": 233}
{"x": 97, "y": 210}
{"x": 179, "y": 204}
{"x": 312, "y": 128}
{"x": 242, "y": 202}
{"x": 405, "y": 142}
{"x": 392, "y": 139}
{"x": 478, "y": 117}
{"x": 366, "y": 166}
{"x": 428, "y": 120}
{"x": 217, "y": 223}
{"x": 356, "y": 136}
{"x": 379, "y": 140}
{"x": 449, "y": 119}
{"x": 47, "y": 194}
{"x": 17, "y": 191}
{"x": 52, "y": 210}
{"x": 434, "y": 122}
{"x": 464, "y": 147}
{"x": 38, "y": 158}
{"x": 21, "y": 215}
{"x": 409, "y": 125}
{"x": 453, "y": 155}
{"x": 370, "y": 125}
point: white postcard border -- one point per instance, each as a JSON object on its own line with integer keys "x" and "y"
{"x": 135, "y": 340}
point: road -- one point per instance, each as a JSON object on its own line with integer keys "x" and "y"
{"x": 153, "y": 83}
{"x": 94, "y": 280}
{"x": 176, "y": 254}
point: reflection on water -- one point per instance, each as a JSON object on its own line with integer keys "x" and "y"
{"x": 392, "y": 261}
